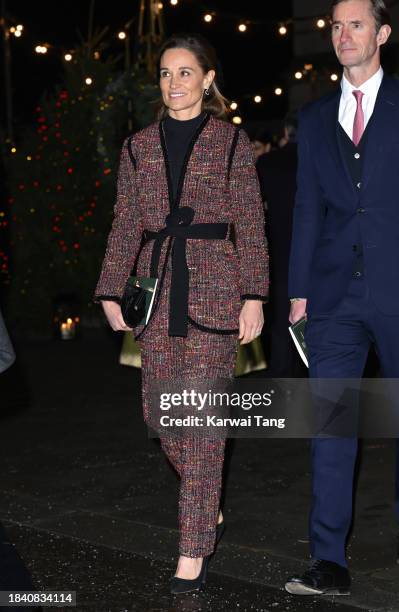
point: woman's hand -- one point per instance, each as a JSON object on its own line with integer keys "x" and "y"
{"x": 251, "y": 321}
{"x": 114, "y": 316}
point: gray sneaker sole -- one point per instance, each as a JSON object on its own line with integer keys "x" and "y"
{"x": 296, "y": 588}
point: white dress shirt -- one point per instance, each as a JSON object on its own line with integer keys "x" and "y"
{"x": 348, "y": 104}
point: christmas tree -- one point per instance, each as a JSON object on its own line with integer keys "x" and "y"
{"x": 61, "y": 181}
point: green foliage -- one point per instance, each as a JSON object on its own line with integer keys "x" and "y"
{"x": 61, "y": 183}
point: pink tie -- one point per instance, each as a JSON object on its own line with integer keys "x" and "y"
{"x": 358, "y": 124}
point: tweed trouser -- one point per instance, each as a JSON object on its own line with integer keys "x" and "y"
{"x": 199, "y": 463}
{"x": 197, "y": 460}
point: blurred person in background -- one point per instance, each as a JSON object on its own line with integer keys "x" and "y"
{"x": 14, "y": 576}
{"x": 262, "y": 142}
{"x": 277, "y": 177}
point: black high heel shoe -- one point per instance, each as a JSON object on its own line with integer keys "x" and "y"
{"x": 182, "y": 585}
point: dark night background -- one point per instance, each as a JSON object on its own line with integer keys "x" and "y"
{"x": 253, "y": 62}
{"x": 60, "y": 163}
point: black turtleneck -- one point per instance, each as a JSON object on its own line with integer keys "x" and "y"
{"x": 178, "y": 135}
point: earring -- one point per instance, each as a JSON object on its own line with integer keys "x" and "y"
{"x": 206, "y": 92}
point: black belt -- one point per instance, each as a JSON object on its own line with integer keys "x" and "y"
{"x": 178, "y": 228}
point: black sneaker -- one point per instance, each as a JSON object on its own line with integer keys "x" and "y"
{"x": 322, "y": 578}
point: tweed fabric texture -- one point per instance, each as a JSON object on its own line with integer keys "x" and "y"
{"x": 221, "y": 273}
{"x": 199, "y": 463}
{"x": 198, "y": 460}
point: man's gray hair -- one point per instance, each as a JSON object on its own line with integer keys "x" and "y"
{"x": 379, "y": 11}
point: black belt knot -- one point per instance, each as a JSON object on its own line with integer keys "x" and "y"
{"x": 179, "y": 227}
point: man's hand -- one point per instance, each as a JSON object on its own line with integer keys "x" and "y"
{"x": 298, "y": 310}
{"x": 114, "y": 316}
{"x": 251, "y": 321}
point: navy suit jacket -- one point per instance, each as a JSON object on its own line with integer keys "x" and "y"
{"x": 331, "y": 214}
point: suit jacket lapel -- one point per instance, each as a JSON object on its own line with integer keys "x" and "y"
{"x": 329, "y": 112}
{"x": 380, "y": 129}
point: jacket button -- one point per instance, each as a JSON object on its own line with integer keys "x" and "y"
{"x": 357, "y": 274}
{"x": 360, "y": 211}
{"x": 357, "y": 156}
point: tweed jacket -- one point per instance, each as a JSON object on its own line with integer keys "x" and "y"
{"x": 219, "y": 183}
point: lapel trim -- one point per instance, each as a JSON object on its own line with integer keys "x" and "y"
{"x": 381, "y": 130}
{"x": 175, "y": 202}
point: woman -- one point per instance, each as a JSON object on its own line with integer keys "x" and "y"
{"x": 188, "y": 209}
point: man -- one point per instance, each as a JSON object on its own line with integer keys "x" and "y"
{"x": 344, "y": 272}
{"x": 277, "y": 177}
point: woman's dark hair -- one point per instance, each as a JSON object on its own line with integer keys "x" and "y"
{"x": 378, "y": 10}
{"x": 214, "y": 103}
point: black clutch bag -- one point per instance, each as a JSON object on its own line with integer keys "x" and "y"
{"x": 133, "y": 303}
{"x": 138, "y": 299}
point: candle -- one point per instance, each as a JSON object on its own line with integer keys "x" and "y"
{"x": 68, "y": 329}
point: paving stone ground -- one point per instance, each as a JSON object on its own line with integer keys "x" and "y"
{"x": 90, "y": 503}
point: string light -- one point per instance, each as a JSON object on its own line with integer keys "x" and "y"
{"x": 237, "y": 120}
{"x": 174, "y": 2}
{"x": 208, "y": 18}
{"x": 298, "y": 75}
{"x": 308, "y": 67}
{"x": 282, "y": 30}
{"x": 41, "y": 49}
{"x": 278, "y": 91}
{"x": 88, "y": 80}
{"x": 13, "y": 150}
{"x": 12, "y": 30}
{"x": 18, "y": 33}
{"x": 20, "y": 28}
{"x": 242, "y": 27}
{"x": 122, "y": 35}
{"x": 67, "y": 57}
{"x": 234, "y": 106}
{"x": 160, "y": 6}
{"x": 258, "y": 99}
{"x": 96, "y": 55}
{"x": 334, "y": 77}
{"x": 321, "y": 23}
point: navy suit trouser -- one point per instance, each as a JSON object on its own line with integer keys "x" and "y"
{"x": 338, "y": 344}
